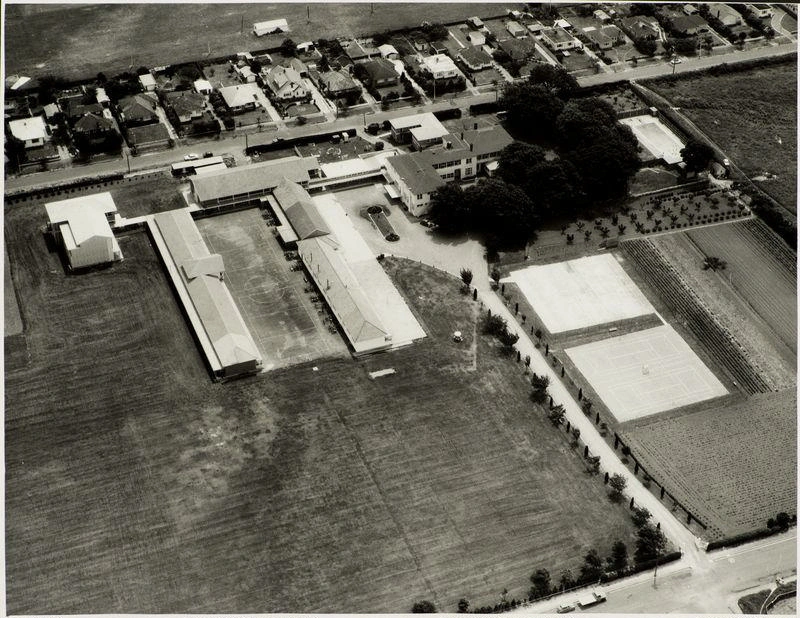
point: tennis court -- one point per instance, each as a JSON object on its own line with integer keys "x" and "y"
{"x": 645, "y": 372}
{"x": 581, "y": 293}
{"x": 287, "y": 326}
{"x": 656, "y": 137}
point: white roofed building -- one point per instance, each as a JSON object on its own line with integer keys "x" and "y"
{"x": 82, "y": 224}
{"x": 274, "y": 26}
{"x": 148, "y": 82}
{"x": 240, "y": 98}
{"x": 203, "y": 86}
{"x": 32, "y": 131}
{"x": 440, "y": 66}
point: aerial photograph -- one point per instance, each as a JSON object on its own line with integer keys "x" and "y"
{"x": 393, "y": 308}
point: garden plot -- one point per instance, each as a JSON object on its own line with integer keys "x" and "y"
{"x": 581, "y": 293}
{"x": 646, "y": 372}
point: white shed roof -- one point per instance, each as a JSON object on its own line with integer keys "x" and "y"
{"x": 202, "y": 85}
{"x": 147, "y": 80}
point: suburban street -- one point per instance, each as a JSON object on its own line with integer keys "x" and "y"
{"x": 235, "y": 144}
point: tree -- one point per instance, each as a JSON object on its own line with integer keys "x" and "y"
{"x": 494, "y": 325}
{"x": 463, "y": 606}
{"x": 49, "y": 88}
{"x": 324, "y": 64}
{"x": 466, "y": 277}
{"x": 714, "y": 263}
{"x": 541, "y": 583}
{"x": 508, "y": 339}
{"x": 532, "y": 109}
{"x": 495, "y": 278}
{"x": 640, "y": 516}
{"x": 697, "y": 155}
{"x": 650, "y": 544}
{"x": 645, "y": 46}
{"x": 618, "y": 560}
{"x": 288, "y": 48}
{"x": 592, "y": 569}
{"x": 423, "y": 607}
{"x": 782, "y": 520}
{"x": 451, "y": 209}
{"x": 618, "y": 483}
{"x": 566, "y": 580}
{"x": 502, "y": 211}
{"x": 554, "y": 78}
{"x": 556, "y": 415}
{"x": 435, "y": 32}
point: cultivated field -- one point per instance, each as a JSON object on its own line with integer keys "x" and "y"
{"x": 646, "y": 372}
{"x": 135, "y": 485}
{"x": 734, "y": 466}
{"x": 79, "y": 41}
{"x": 754, "y": 298}
{"x": 286, "y": 325}
{"x": 581, "y": 293}
{"x": 752, "y": 116}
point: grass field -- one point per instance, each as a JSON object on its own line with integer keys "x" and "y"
{"x": 79, "y": 41}
{"x": 752, "y": 116}
{"x": 134, "y": 484}
{"x": 734, "y": 466}
{"x": 11, "y": 316}
{"x": 147, "y": 196}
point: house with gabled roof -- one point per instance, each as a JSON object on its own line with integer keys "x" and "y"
{"x": 139, "y": 109}
{"x": 474, "y": 58}
{"x": 240, "y": 98}
{"x": 381, "y": 72}
{"x": 337, "y": 84}
{"x": 94, "y": 126}
{"x": 186, "y": 104}
{"x": 285, "y": 84}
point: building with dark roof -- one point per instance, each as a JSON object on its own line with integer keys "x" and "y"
{"x": 474, "y": 58}
{"x": 381, "y": 72}
{"x": 337, "y": 84}
{"x": 139, "y": 109}
{"x": 689, "y": 24}
{"x": 93, "y": 126}
{"x": 186, "y": 104}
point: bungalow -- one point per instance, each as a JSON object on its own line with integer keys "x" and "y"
{"x": 601, "y": 15}
{"x": 74, "y": 107}
{"x": 139, "y": 109}
{"x": 476, "y": 38}
{"x": 388, "y": 51}
{"x": 286, "y": 84}
{"x": 761, "y": 10}
{"x": 474, "y": 58}
{"x": 32, "y": 131}
{"x": 240, "y": 99}
{"x": 559, "y": 39}
{"x": 148, "y": 137}
{"x": 689, "y": 24}
{"x": 641, "y": 27}
{"x": 245, "y": 74}
{"x": 615, "y": 34}
{"x": 726, "y": 14}
{"x": 94, "y": 127}
{"x": 186, "y": 104}
{"x": 520, "y": 50}
{"x": 516, "y": 29}
{"x": 148, "y": 82}
{"x": 336, "y": 84}
{"x": 598, "y": 40}
{"x": 203, "y": 86}
{"x": 381, "y": 73}
{"x": 440, "y": 66}
{"x": 357, "y": 51}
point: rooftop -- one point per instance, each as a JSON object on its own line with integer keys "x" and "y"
{"x": 86, "y": 215}
{"x": 474, "y": 56}
{"x": 28, "y": 128}
{"x": 416, "y": 171}
{"x": 239, "y": 95}
{"x": 439, "y": 62}
{"x": 415, "y": 120}
{"x": 299, "y": 209}
{"x": 688, "y": 22}
{"x": 557, "y": 35}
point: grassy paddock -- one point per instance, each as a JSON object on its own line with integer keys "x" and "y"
{"x": 747, "y": 113}
{"x": 134, "y": 484}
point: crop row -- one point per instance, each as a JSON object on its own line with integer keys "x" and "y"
{"x": 682, "y": 301}
{"x": 768, "y": 242}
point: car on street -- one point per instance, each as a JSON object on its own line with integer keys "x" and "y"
{"x": 675, "y": 60}
{"x": 565, "y": 608}
{"x": 191, "y": 157}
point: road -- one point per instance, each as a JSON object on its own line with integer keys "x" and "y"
{"x": 235, "y": 144}
{"x": 714, "y": 588}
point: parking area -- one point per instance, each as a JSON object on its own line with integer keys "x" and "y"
{"x": 287, "y": 321}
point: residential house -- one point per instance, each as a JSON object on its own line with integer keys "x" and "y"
{"x": 475, "y": 23}
{"x": 562, "y": 23}
{"x": 32, "y": 131}
{"x": 761, "y": 10}
{"x": 241, "y": 98}
{"x": 337, "y": 84}
{"x": 536, "y": 28}
{"x": 298, "y": 65}
{"x": 516, "y": 29}
{"x": 95, "y": 127}
{"x": 641, "y": 27}
{"x": 726, "y": 14}
{"x": 689, "y": 9}
{"x": 601, "y": 15}
{"x": 388, "y": 51}
{"x": 203, "y": 86}
{"x": 139, "y": 109}
{"x": 285, "y": 84}
{"x": 440, "y": 66}
{"x": 74, "y": 107}
{"x": 356, "y": 51}
{"x": 474, "y": 58}
{"x": 148, "y": 137}
{"x": 615, "y": 34}
{"x": 50, "y": 110}
{"x": 520, "y": 50}
{"x": 476, "y": 38}
{"x": 186, "y": 104}
{"x": 559, "y": 39}
{"x": 689, "y": 24}
{"x": 148, "y": 82}
{"x": 402, "y": 127}
{"x": 598, "y": 40}
{"x": 245, "y": 74}
{"x": 381, "y": 73}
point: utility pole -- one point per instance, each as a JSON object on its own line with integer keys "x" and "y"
{"x": 308, "y": 14}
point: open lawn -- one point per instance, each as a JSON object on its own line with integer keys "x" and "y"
{"x": 752, "y": 115}
{"x": 285, "y": 324}
{"x": 147, "y": 196}
{"x": 734, "y": 466}
{"x": 79, "y": 41}
{"x": 135, "y": 485}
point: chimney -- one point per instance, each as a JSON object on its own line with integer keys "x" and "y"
{"x": 471, "y": 147}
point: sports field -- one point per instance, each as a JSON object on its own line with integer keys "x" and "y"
{"x": 655, "y": 137}
{"x": 642, "y": 373}
{"x": 286, "y": 325}
{"x": 580, "y": 293}
{"x": 135, "y": 485}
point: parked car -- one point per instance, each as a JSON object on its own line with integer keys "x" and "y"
{"x": 565, "y": 608}
{"x": 675, "y": 60}
{"x": 191, "y": 157}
